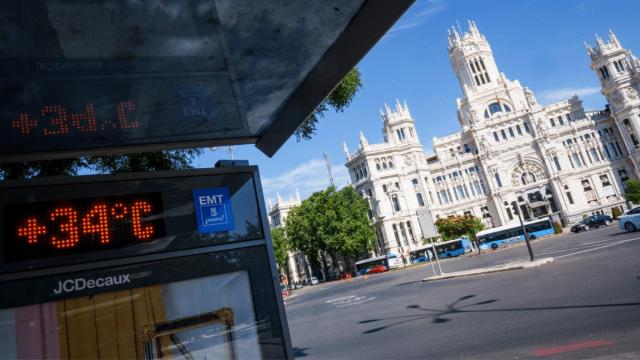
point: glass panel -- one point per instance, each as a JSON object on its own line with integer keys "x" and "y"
{"x": 205, "y": 318}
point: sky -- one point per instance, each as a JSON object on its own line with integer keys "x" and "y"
{"x": 540, "y": 43}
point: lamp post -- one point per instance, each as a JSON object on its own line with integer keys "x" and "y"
{"x": 516, "y": 209}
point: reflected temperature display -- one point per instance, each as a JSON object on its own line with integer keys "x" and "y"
{"x": 62, "y": 227}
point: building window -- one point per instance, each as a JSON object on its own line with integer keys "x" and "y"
{"x": 395, "y": 233}
{"x": 553, "y": 123}
{"x": 460, "y": 192}
{"x": 511, "y": 132}
{"x": 605, "y": 180}
{"x": 498, "y": 181}
{"x": 404, "y": 234}
{"x": 420, "y": 200}
{"x": 604, "y": 72}
{"x": 576, "y": 160}
{"x": 594, "y": 154}
{"x": 569, "y": 197}
{"x": 504, "y": 134}
{"x": 518, "y": 130}
{"x": 560, "y": 121}
{"x": 467, "y": 149}
{"x": 526, "y": 127}
{"x": 396, "y": 203}
{"x": 410, "y": 230}
{"x": 390, "y": 164}
{"x": 495, "y": 136}
{"x": 627, "y": 126}
{"x": 622, "y": 173}
{"x": 509, "y": 215}
{"x": 557, "y": 163}
{"x": 494, "y": 108}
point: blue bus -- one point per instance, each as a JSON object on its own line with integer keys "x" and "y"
{"x": 453, "y": 248}
{"x": 512, "y": 233}
{"x": 389, "y": 261}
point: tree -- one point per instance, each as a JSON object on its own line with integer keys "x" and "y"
{"x": 457, "y": 226}
{"x": 632, "y": 191}
{"x": 338, "y": 99}
{"x": 330, "y": 221}
{"x": 280, "y": 248}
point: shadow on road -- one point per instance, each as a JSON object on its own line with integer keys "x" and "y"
{"x": 439, "y": 316}
{"x": 300, "y": 352}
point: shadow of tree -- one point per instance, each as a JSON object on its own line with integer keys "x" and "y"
{"x": 440, "y": 316}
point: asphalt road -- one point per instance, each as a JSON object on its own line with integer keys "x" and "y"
{"x": 586, "y": 304}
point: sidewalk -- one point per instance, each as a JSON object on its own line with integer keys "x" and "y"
{"x": 506, "y": 267}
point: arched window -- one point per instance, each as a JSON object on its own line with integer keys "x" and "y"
{"x": 494, "y": 108}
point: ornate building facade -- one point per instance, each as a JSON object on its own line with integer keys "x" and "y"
{"x": 556, "y": 160}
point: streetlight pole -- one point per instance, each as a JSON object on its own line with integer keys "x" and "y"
{"x": 516, "y": 209}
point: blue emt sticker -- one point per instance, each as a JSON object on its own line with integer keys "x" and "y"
{"x": 193, "y": 102}
{"x": 213, "y": 210}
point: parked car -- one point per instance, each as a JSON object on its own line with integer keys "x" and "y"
{"x": 630, "y": 221}
{"x": 378, "y": 269}
{"x": 591, "y": 222}
{"x": 346, "y": 275}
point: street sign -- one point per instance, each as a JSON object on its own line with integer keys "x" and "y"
{"x": 109, "y": 76}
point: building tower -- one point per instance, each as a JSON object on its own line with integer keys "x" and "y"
{"x": 398, "y": 125}
{"x": 472, "y": 61}
{"x": 619, "y": 74}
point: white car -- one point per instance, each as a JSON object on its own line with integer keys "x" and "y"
{"x": 630, "y": 221}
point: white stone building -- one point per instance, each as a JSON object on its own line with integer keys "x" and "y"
{"x": 298, "y": 266}
{"x": 557, "y": 159}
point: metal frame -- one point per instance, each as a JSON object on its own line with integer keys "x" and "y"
{"x": 267, "y": 241}
{"x": 364, "y": 30}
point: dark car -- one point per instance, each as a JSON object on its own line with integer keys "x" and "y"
{"x": 593, "y": 221}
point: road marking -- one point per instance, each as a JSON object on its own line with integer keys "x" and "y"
{"x": 349, "y": 301}
{"x": 572, "y": 347}
{"x": 597, "y": 248}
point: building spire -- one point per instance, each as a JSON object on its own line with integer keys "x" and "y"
{"x": 613, "y": 38}
{"x": 345, "y": 149}
{"x": 599, "y": 43}
{"x": 363, "y": 140}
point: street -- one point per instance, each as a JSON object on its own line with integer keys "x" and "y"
{"x": 586, "y": 304}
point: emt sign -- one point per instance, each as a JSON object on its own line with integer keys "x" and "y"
{"x": 213, "y": 210}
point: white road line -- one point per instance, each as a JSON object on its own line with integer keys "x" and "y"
{"x": 597, "y": 248}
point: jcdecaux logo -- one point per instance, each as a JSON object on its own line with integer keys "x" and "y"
{"x": 79, "y": 283}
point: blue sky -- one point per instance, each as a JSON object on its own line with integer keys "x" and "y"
{"x": 539, "y": 43}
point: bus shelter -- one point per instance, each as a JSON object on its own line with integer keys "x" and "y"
{"x": 165, "y": 264}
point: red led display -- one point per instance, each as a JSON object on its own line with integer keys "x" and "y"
{"x": 54, "y": 121}
{"x": 70, "y": 226}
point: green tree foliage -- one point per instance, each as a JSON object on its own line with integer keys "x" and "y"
{"x": 330, "y": 221}
{"x": 632, "y": 191}
{"x": 280, "y": 247}
{"x": 110, "y": 164}
{"x": 457, "y": 226}
{"x": 557, "y": 227}
{"x": 338, "y": 99}
{"x": 25, "y": 170}
{"x": 149, "y": 161}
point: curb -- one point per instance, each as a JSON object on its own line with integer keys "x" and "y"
{"x": 489, "y": 270}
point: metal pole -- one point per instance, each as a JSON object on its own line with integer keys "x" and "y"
{"x": 435, "y": 254}
{"x": 524, "y": 230}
